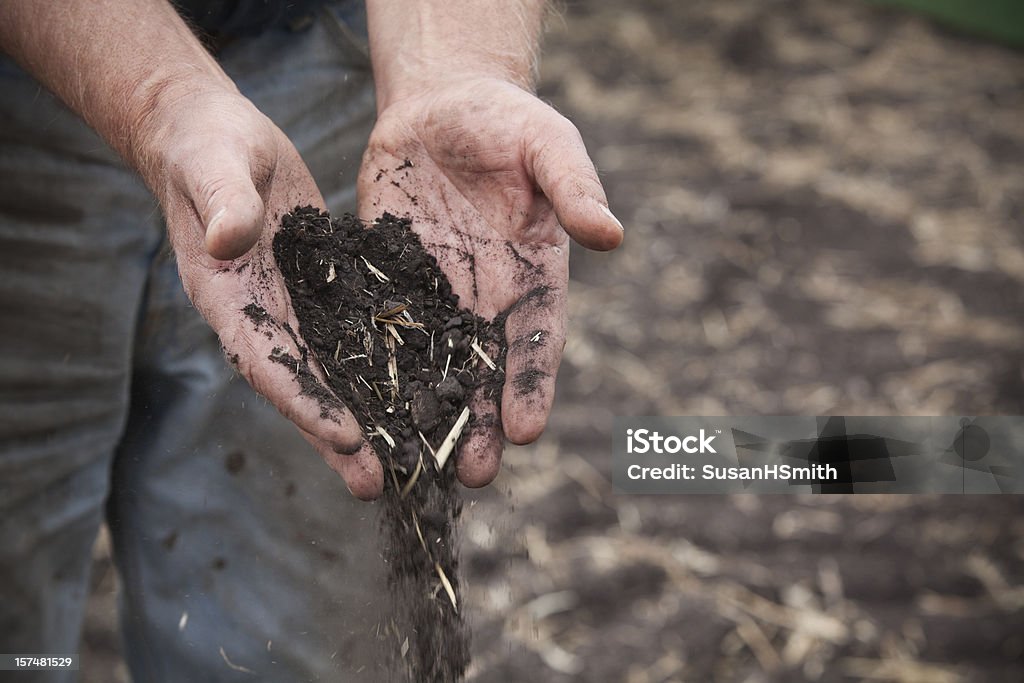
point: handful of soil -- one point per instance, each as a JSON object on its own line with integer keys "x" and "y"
{"x": 381, "y": 320}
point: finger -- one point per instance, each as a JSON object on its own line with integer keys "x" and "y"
{"x": 273, "y": 364}
{"x": 535, "y": 332}
{"x": 361, "y": 470}
{"x": 558, "y": 162}
{"x": 480, "y": 452}
{"x": 227, "y": 202}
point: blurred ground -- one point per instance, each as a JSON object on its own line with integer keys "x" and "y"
{"x": 823, "y": 205}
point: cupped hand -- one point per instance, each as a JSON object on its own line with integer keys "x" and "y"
{"x": 496, "y": 182}
{"x": 224, "y": 174}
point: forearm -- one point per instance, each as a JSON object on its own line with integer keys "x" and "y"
{"x": 117, "y": 63}
{"x": 417, "y": 42}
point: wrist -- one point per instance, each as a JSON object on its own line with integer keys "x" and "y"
{"x": 421, "y": 45}
{"x": 423, "y": 77}
{"x": 164, "y": 110}
{"x": 470, "y": 84}
{"x": 116, "y": 63}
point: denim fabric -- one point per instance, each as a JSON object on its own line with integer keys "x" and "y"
{"x": 248, "y": 18}
{"x": 116, "y": 404}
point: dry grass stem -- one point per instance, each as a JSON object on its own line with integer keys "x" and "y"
{"x": 376, "y": 271}
{"x": 427, "y": 444}
{"x": 483, "y": 355}
{"x": 232, "y": 665}
{"x": 447, "y": 586}
{"x": 387, "y": 437}
{"x": 448, "y": 445}
{"x": 412, "y": 480}
{"x": 394, "y": 333}
{"x": 392, "y": 311}
{"x": 419, "y": 532}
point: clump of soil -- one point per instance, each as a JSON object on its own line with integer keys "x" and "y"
{"x": 382, "y": 323}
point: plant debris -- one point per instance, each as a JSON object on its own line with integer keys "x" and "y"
{"x": 382, "y": 322}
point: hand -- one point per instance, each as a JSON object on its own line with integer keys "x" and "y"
{"x": 499, "y": 175}
{"x": 224, "y": 174}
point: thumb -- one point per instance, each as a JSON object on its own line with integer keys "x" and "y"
{"x": 558, "y": 161}
{"x": 231, "y": 209}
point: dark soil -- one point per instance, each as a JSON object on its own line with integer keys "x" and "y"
{"x": 383, "y": 324}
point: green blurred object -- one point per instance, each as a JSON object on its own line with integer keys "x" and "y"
{"x": 1002, "y": 20}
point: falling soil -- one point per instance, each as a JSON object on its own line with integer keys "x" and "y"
{"x": 382, "y": 323}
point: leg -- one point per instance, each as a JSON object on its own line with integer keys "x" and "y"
{"x": 72, "y": 267}
{"x": 221, "y": 512}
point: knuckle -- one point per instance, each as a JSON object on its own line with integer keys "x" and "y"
{"x": 209, "y": 191}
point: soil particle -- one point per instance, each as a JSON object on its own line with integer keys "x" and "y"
{"x": 426, "y": 410}
{"x": 450, "y": 389}
{"x": 170, "y": 540}
{"x": 260, "y": 318}
{"x": 235, "y": 462}
{"x": 309, "y": 383}
{"x": 538, "y": 296}
{"x": 530, "y": 266}
{"x": 382, "y": 322}
{"x": 527, "y": 381}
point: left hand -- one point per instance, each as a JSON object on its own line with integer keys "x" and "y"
{"x": 498, "y": 183}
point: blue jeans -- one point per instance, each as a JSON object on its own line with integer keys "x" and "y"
{"x": 233, "y": 540}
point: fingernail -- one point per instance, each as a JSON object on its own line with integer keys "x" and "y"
{"x": 347, "y": 450}
{"x": 216, "y": 217}
{"x": 608, "y": 212}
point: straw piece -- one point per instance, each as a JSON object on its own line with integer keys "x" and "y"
{"x": 394, "y": 333}
{"x": 449, "y": 441}
{"x": 387, "y": 437}
{"x": 419, "y": 532}
{"x": 376, "y": 271}
{"x": 232, "y": 665}
{"x": 427, "y": 444}
{"x": 393, "y": 311}
{"x": 412, "y": 480}
{"x": 447, "y": 586}
{"x": 483, "y": 356}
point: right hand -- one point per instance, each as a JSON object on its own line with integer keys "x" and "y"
{"x": 224, "y": 175}
{"x": 496, "y": 173}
